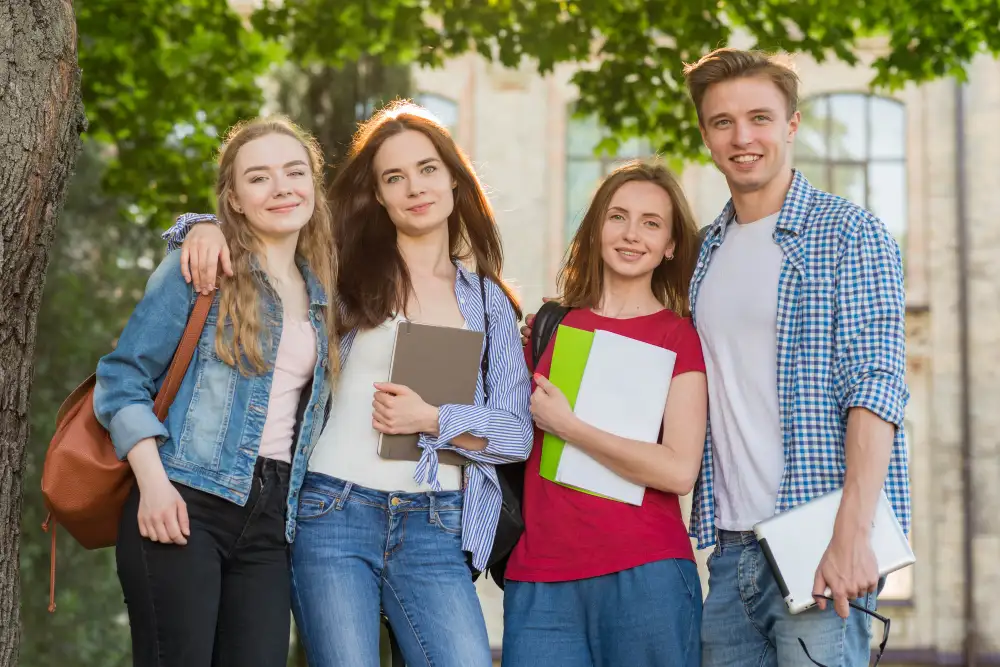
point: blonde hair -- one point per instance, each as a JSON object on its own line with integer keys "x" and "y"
{"x": 238, "y": 337}
{"x": 581, "y": 279}
{"x": 728, "y": 64}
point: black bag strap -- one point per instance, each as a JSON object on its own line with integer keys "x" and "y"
{"x": 547, "y": 321}
{"x": 484, "y": 366}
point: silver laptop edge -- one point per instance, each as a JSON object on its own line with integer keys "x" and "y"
{"x": 793, "y": 542}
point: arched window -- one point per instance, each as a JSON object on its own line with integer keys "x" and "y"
{"x": 444, "y": 108}
{"x": 854, "y": 145}
{"x": 585, "y": 169}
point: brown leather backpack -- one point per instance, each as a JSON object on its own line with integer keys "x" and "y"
{"x": 84, "y": 485}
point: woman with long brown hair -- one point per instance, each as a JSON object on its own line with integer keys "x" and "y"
{"x": 202, "y": 548}
{"x": 595, "y": 581}
{"x": 409, "y": 213}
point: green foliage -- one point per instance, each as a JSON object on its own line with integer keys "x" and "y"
{"x": 636, "y": 87}
{"x": 328, "y": 101}
{"x": 162, "y": 80}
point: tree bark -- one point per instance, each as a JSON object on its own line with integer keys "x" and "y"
{"x": 41, "y": 118}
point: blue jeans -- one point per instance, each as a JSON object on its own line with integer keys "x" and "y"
{"x": 746, "y": 623}
{"x": 646, "y": 616}
{"x": 357, "y": 550}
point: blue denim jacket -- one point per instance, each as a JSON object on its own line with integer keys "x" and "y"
{"x": 212, "y": 432}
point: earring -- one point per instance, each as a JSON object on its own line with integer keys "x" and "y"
{"x": 669, "y": 257}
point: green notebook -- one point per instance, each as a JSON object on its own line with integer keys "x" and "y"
{"x": 569, "y": 359}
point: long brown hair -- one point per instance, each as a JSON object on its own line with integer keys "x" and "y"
{"x": 581, "y": 279}
{"x": 374, "y": 283}
{"x": 239, "y": 344}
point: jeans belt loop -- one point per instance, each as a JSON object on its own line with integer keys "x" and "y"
{"x": 342, "y": 498}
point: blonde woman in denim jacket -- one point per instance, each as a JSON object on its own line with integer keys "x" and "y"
{"x": 202, "y": 549}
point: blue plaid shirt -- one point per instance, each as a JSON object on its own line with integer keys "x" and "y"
{"x": 841, "y": 344}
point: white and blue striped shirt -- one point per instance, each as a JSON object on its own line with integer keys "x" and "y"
{"x": 505, "y": 423}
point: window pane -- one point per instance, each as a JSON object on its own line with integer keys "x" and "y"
{"x": 898, "y": 585}
{"x": 887, "y": 185}
{"x": 888, "y": 129}
{"x": 582, "y": 135}
{"x": 849, "y": 126}
{"x": 446, "y": 110}
{"x": 635, "y": 147}
{"x": 849, "y": 183}
{"x": 810, "y": 140}
{"x": 582, "y": 178}
{"x": 815, "y": 173}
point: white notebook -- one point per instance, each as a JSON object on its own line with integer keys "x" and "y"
{"x": 624, "y": 392}
{"x": 794, "y": 542}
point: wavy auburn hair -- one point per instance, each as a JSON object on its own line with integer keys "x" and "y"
{"x": 374, "y": 283}
{"x": 238, "y": 343}
{"x": 581, "y": 279}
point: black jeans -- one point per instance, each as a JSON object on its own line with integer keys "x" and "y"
{"x": 224, "y": 598}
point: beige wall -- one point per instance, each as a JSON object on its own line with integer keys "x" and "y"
{"x": 513, "y": 123}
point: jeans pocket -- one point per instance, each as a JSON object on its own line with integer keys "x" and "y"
{"x": 314, "y": 504}
{"x": 688, "y": 573}
{"x": 450, "y": 521}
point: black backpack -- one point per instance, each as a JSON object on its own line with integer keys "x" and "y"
{"x": 511, "y": 475}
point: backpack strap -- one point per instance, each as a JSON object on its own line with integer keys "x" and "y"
{"x": 484, "y": 366}
{"x": 547, "y": 321}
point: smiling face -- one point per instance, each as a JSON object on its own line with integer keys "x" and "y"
{"x": 637, "y": 232}
{"x": 746, "y": 127}
{"x": 414, "y": 184}
{"x": 273, "y": 185}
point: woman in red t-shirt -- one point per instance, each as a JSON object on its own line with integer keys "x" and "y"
{"x": 595, "y": 581}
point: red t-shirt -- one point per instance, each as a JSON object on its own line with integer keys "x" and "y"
{"x": 573, "y": 535}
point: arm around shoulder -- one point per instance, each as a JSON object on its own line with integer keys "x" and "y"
{"x": 182, "y": 226}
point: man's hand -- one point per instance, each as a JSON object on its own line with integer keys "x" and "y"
{"x": 526, "y": 329}
{"x": 529, "y": 322}
{"x": 848, "y": 569}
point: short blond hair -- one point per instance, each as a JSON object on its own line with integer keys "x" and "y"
{"x": 727, "y": 64}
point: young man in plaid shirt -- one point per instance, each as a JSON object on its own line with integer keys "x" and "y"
{"x": 798, "y": 299}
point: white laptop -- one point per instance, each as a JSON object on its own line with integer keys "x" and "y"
{"x": 794, "y": 543}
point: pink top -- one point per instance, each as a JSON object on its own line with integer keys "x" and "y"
{"x": 293, "y": 368}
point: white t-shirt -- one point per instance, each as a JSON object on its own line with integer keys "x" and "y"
{"x": 348, "y": 447}
{"x": 737, "y": 310}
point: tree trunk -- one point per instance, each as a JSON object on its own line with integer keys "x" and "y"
{"x": 41, "y": 118}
